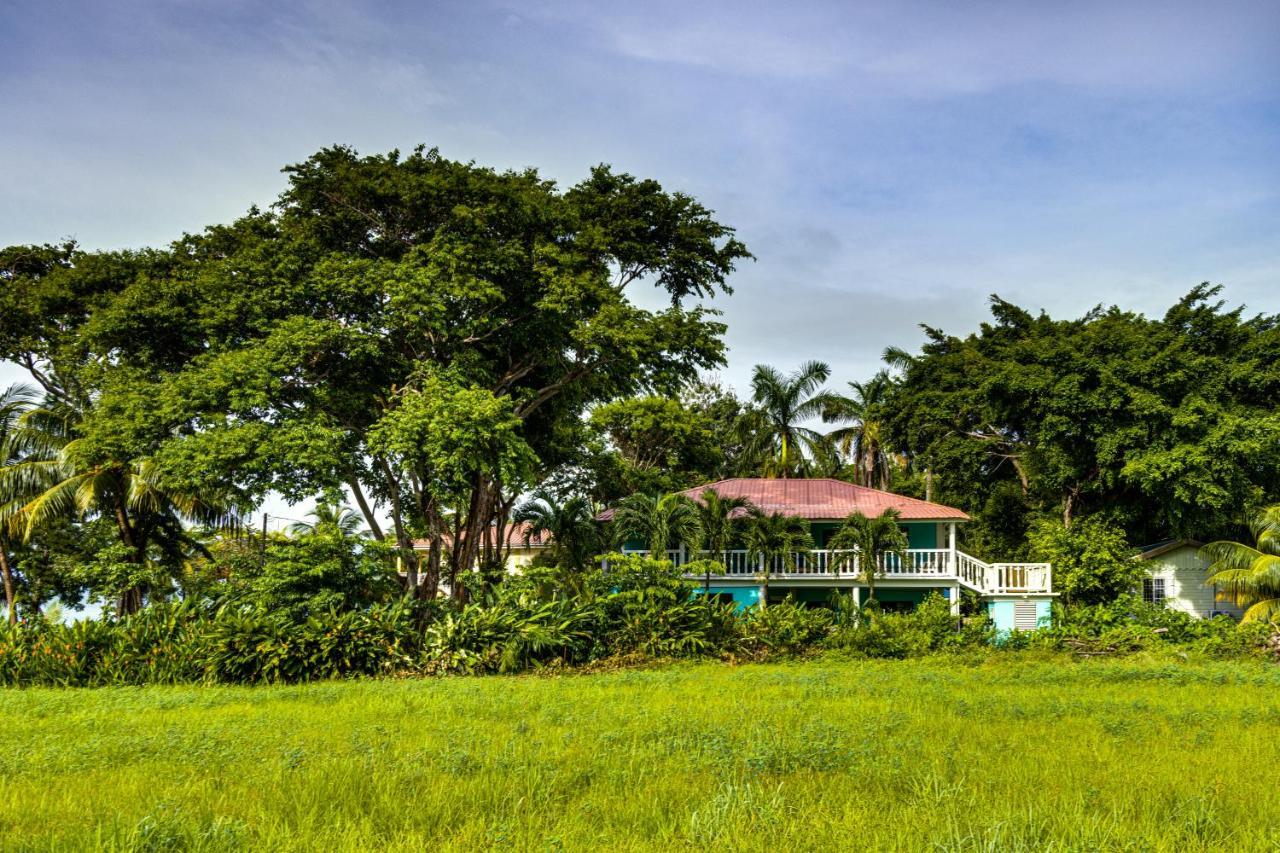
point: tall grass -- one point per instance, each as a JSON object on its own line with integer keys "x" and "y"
{"x": 1009, "y": 754}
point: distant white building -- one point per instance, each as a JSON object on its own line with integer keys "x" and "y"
{"x": 1176, "y": 577}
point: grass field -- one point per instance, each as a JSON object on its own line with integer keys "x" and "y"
{"x": 1011, "y": 755}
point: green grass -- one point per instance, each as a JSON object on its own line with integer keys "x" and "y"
{"x": 1013, "y": 754}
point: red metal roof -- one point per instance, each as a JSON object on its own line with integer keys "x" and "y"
{"x": 823, "y": 499}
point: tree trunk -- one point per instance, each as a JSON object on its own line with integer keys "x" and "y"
{"x": 365, "y": 510}
{"x": 131, "y": 599}
{"x": 928, "y": 482}
{"x": 9, "y": 596}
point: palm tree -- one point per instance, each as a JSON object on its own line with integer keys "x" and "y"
{"x": 62, "y": 476}
{"x": 331, "y": 518}
{"x": 771, "y": 536}
{"x": 1250, "y": 575}
{"x": 570, "y": 527}
{"x": 784, "y": 403}
{"x": 863, "y": 442}
{"x": 718, "y": 517}
{"x": 868, "y": 539}
{"x": 658, "y": 521}
{"x": 14, "y": 402}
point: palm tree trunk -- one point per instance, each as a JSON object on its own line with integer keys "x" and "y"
{"x": 131, "y": 599}
{"x": 9, "y": 596}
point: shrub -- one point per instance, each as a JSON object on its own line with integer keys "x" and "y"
{"x": 785, "y": 628}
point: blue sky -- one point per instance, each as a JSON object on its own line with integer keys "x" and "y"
{"x": 889, "y": 163}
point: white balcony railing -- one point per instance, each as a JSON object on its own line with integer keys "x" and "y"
{"x": 941, "y": 564}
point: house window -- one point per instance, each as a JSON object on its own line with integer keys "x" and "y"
{"x": 1153, "y": 590}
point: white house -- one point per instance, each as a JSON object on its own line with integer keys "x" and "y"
{"x": 1176, "y": 576}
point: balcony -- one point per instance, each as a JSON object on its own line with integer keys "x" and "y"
{"x": 944, "y": 565}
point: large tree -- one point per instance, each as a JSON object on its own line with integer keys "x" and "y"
{"x": 415, "y": 329}
{"x": 1167, "y": 425}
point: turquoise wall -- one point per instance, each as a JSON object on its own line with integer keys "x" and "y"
{"x": 743, "y": 596}
{"x": 922, "y": 535}
{"x": 1001, "y": 612}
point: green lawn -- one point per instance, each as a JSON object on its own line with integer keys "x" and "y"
{"x": 1011, "y": 755}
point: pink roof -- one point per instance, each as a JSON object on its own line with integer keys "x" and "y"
{"x": 516, "y": 531}
{"x": 823, "y": 499}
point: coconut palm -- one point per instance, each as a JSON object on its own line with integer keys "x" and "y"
{"x": 868, "y": 539}
{"x": 14, "y": 402}
{"x": 60, "y": 476}
{"x": 784, "y": 402}
{"x": 1250, "y": 575}
{"x": 569, "y": 526}
{"x": 863, "y": 442}
{"x": 772, "y": 537}
{"x": 719, "y": 516}
{"x": 659, "y": 521}
{"x": 331, "y": 518}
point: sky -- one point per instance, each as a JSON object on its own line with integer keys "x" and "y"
{"x": 888, "y": 163}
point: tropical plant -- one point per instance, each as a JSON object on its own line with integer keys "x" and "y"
{"x": 61, "y": 475}
{"x": 773, "y": 537}
{"x": 868, "y": 539}
{"x": 1250, "y": 575}
{"x": 569, "y": 525}
{"x": 329, "y": 518}
{"x": 719, "y": 516}
{"x": 863, "y": 441}
{"x": 659, "y": 521}
{"x": 784, "y": 402}
{"x": 14, "y": 402}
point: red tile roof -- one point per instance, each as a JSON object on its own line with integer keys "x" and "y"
{"x": 515, "y": 538}
{"x": 823, "y": 499}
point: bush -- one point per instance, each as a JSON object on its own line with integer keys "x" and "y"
{"x": 785, "y": 628}
{"x": 931, "y": 627}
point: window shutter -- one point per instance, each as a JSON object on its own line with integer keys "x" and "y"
{"x": 1024, "y": 616}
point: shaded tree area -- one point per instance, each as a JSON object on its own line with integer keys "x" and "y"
{"x": 1164, "y": 427}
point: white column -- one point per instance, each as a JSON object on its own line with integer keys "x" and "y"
{"x": 951, "y": 547}
{"x": 857, "y": 595}
{"x": 955, "y": 600}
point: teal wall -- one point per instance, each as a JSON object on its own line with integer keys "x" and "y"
{"x": 922, "y": 535}
{"x": 743, "y": 596}
{"x": 1001, "y": 612}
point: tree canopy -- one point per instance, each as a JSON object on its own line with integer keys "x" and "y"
{"x": 415, "y": 329}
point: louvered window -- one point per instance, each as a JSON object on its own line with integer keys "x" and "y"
{"x": 1024, "y": 616}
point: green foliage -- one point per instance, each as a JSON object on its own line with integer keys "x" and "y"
{"x": 1167, "y": 424}
{"x": 306, "y": 575}
{"x": 1250, "y": 575}
{"x": 662, "y": 445}
{"x": 1128, "y": 624}
{"x": 570, "y": 525}
{"x": 930, "y": 628}
{"x": 420, "y": 331}
{"x": 784, "y": 402}
{"x": 658, "y": 521}
{"x": 1092, "y": 561}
